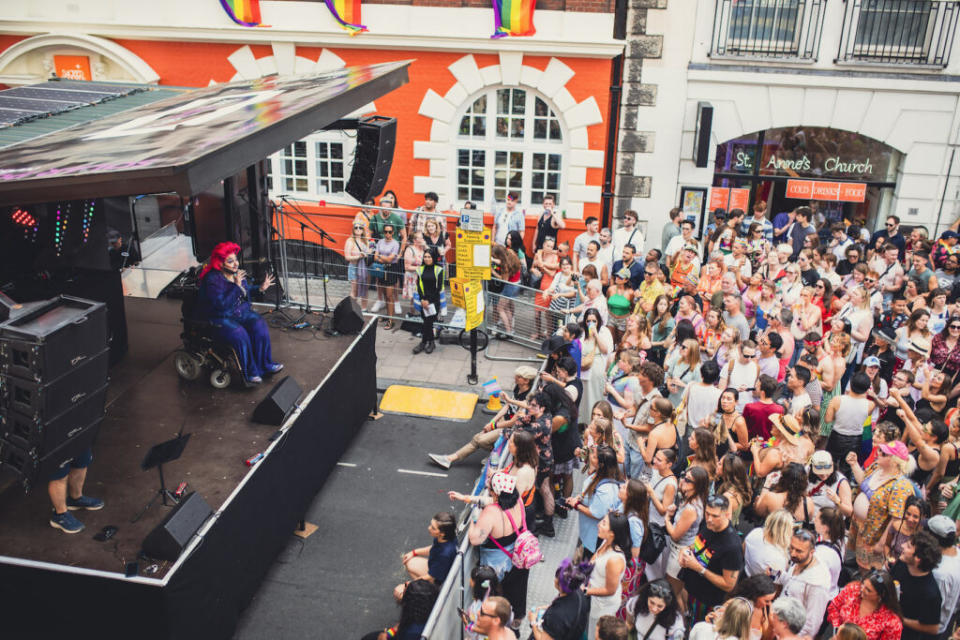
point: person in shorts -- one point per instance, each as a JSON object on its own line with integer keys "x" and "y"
{"x": 66, "y": 493}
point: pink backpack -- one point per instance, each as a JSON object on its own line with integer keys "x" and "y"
{"x": 526, "y": 550}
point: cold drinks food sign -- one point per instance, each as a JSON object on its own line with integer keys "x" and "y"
{"x": 832, "y": 191}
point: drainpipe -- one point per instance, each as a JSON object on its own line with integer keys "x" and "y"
{"x": 613, "y": 115}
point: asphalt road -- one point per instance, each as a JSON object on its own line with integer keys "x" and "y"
{"x": 338, "y": 582}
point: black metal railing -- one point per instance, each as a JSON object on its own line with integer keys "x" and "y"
{"x": 913, "y": 32}
{"x": 767, "y": 29}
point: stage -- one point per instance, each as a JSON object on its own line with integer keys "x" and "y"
{"x": 256, "y": 509}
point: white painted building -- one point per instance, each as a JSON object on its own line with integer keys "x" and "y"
{"x": 841, "y": 91}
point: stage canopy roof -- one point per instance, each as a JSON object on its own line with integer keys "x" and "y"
{"x": 184, "y": 141}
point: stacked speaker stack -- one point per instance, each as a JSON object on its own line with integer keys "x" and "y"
{"x": 54, "y": 357}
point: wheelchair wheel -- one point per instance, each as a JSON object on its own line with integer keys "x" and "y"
{"x": 220, "y": 378}
{"x": 188, "y": 366}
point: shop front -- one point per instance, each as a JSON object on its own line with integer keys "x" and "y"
{"x": 840, "y": 174}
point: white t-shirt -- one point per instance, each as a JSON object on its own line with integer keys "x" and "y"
{"x": 676, "y": 243}
{"x": 705, "y": 631}
{"x": 701, "y": 402}
{"x": 800, "y": 402}
{"x": 623, "y": 237}
{"x": 746, "y": 270}
{"x": 829, "y": 558}
{"x": 581, "y": 242}
{"x": 643, "y": 623}
{"x": 759, "y": 555}
{"x": 947, "y": 575}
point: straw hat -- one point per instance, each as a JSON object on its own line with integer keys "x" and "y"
{"x": 788, "y": 426}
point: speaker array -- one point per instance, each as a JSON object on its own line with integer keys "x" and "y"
{"x": 376, "y": 139}
{"x": 54, "y": 357}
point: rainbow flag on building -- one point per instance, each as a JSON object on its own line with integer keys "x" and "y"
{"x": 513, "y": 18}
{"x": 244, "y": 12}
{"x": 347, "y": 13}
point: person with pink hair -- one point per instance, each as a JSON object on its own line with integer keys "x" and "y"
{"x": 224, "y": 302}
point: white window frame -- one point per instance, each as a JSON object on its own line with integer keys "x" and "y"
{"x": 278, "y": 177}
{"x": 917, "y": 49}
{"x": 752, "y": 42}
{"x": 490, "y": 143}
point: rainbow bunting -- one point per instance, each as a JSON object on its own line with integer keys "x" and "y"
{"x": 513, "y": 18}
{"x": 347, "y": 13}
{"x": 244, "y": 12}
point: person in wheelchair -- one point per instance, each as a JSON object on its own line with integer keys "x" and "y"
{"x": 224, "y": 302}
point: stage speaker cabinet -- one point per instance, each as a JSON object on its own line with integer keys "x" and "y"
{"x": 53, "y": 339}
{"x": 29, "y": 466}
{"x": 376, "y": 139}
{"x": 348, "y": 316}
{"x": 279, "y": 403}
{"x": 44, "y": 436}
{"x": 46, "y": 399}
{"x": 169, "y": 538}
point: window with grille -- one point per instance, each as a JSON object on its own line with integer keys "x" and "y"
{"x": 508, "y": 139}
{"x": 317, "y": 165}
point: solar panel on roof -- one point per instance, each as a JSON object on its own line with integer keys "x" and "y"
{"x": 31, "y": 104}
{"x": 65, "y": 95}
{"x": 105, "y": 87}
{"x": 13, "y": 116}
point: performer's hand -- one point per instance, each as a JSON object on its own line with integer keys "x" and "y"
{"x": 239, "y": 276}
{"x": 267, "y": 281}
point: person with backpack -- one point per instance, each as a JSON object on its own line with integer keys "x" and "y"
{"x": 495, "y": 529}
{"x": 566, "y": 618}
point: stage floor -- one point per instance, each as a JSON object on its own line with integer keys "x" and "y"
{"x": 148, "y": 403}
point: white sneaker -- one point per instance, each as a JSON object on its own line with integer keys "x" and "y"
{"x": 376, "y": 306}
{"x": 443, "y": 461}
{"x": 397, "y": 309}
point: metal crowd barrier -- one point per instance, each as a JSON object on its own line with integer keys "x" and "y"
{"x": 444, "y": 622}
{"x": 531, "y": 323}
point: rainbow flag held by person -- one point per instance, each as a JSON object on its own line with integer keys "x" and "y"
{"x": 347, "y": 13}
{"x": 513, "y": 18}
{"x": 244, "y": 12}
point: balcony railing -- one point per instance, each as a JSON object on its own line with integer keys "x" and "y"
{"x": 782, "y": 29}
{"x": 911, "y": 32}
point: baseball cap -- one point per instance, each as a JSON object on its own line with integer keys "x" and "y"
{"x": 872, "y": 361}
{"x": 942, "y": 526}
{"x": 946, "y": 235}
{"x": 896, "y": 449}
{"x": 821, "y": 461}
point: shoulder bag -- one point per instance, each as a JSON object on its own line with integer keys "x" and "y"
{"x": 655, "y": 540}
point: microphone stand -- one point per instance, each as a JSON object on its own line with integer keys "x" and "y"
{"x": 323, "y": 250}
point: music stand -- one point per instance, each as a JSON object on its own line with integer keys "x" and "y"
{"x": 157, "y": 456}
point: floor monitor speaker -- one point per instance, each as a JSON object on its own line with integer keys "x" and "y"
{"x": 168, "y": 539}
{"x": 279, "y": 403}
{"x": 348, "y": 316}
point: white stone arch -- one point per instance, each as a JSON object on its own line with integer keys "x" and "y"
{"x": 31, "y": 60}
{"x": 511, "y": 72}
{"x": 285, "y": 62}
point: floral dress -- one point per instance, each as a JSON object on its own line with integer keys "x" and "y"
{"x": 882, "y": 624}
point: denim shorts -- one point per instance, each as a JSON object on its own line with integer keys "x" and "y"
{"x": 496, "y": 559}
{"x": 82, "y": 461}
{"x": 351, "y": 272}
{"x": 510, "y": 291}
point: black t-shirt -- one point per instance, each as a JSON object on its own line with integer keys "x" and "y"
{"x": 566, "y": 618}
{"x": 809, "y": 277}
{"x": 920, "y": 600}
{"x": 717, "y": 551}
{"x": 545, "y": 229}
{"x": 845, "y": 267}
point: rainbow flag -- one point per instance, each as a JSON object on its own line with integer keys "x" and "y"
{"x": 347, "y": 13}
{"x": 513, "y": 18}
{"x": 244, "y": 12}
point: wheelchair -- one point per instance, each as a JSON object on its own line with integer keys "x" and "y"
{"x": 201, "y": 353}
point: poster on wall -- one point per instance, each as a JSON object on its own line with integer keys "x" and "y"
{"x": 72, "y": 67}
{"x": 693, "y": 203}
{"x": 719, "y": 198}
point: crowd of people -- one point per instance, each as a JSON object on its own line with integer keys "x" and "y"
{"x": 766, "y": 425}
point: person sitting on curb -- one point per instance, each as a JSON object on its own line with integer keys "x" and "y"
{"x": 432, "y": 562}
{"x": 524, "y": 376}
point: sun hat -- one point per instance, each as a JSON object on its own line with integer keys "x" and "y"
{"x": 788, "y": 426}
{"x": 896, "y": 449}
{"x": 921, "y": 346}
{"x": 525, "y": 371}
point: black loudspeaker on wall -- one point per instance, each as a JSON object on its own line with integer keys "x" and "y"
{"x": 279, "y": 403}
{"x": 169, "y": 537}
{"x": 376, "y": 138}
{"x": 348, "y": 316}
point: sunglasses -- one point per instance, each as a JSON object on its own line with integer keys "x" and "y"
{"x": 955, "y": 326}
{"x": 749, "y": 355}
{"x": 890, "y": 226}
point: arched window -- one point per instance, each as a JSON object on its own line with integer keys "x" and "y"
{"x": 508, "y": 139}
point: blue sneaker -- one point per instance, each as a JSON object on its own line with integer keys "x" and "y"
{"x": 274, "y": 368}
{"x": 84, "y": 502}
{"x": 254, "y": 379}
{"x": 66, "y": 522}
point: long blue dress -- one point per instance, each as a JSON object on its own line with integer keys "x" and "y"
{"x": 227, "y": 307}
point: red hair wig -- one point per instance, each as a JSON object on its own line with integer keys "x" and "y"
{"x": 218, "y": 256}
